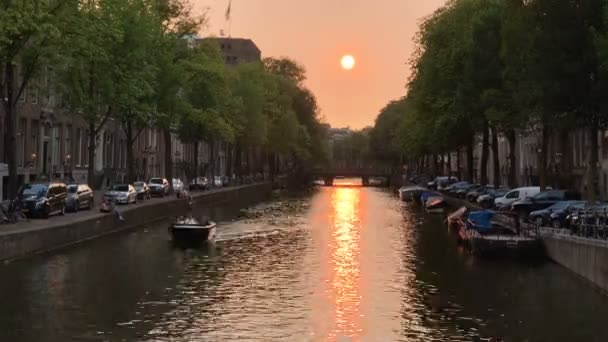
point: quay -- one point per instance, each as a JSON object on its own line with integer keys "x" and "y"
{"x": 586, "y": 257}
{"x": 38, "y": 235}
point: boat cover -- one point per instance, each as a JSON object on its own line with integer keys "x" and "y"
{"x": 481, "y": 220}
{"x": 458, "y": 213}
{"x": 426, "y": 195}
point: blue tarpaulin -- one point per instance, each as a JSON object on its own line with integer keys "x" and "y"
{"x": 481, "y": 220}
{"x": 426, "y": 195}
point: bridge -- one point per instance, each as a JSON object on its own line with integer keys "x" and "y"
{"x": 365, "y": 173}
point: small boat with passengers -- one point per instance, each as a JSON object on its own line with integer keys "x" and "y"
{"x": 487, "y": 232}
{"x": 189, "y": 228}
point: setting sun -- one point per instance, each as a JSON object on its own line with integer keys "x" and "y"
{"x": 348, "y": 62}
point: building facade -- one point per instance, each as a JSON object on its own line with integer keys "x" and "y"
{"x": 52, "y": 143}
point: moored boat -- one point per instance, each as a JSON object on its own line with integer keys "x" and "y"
{"x": 189, "y": 228}
{"x": 435, "y": 204}
{"x": 411, "y": 193}
{"x": 486, "y": 234}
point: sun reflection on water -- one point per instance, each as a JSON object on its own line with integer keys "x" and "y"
{"x": 345, "y": 248}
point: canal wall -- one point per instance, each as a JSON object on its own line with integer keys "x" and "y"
{"x": 585, "y": 257}
{"x": 38, "y": 236}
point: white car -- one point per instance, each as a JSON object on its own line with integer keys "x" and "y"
{"x": 217, "y": 181}
{"x": 178, "y": 185}
{"x": 121, "y": 194}
{"x": 515, "y": 195}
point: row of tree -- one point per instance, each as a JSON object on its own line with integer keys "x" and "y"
{"x": 137, "y": 62}
{"x": 494, "y": 67}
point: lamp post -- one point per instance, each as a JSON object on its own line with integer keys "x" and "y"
{"x": 67, "y": 172}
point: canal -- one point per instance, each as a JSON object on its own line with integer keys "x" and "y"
{"x": 342, "y": 263}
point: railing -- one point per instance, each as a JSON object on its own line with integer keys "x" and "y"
{"x": 591, "y": 223}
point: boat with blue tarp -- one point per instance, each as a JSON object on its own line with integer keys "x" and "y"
{"x": 490, "y": 232}
{"x": 433, "y": 202}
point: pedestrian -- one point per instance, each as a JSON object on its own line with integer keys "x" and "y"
{"x": 117, "y": 212}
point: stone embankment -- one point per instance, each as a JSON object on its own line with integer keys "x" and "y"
{"x": 36, "y": 235}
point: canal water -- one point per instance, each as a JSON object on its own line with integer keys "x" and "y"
{"x": 343, "y": 263}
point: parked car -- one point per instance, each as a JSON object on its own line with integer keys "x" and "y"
{"x": 121, "y": 194}
{"x": 440, "y": 183}
{"x": 79, "y": 196}
{"x": 199, "y": 183}
{"x": 592, "y": 214}
{"x": 487, "y": 200}
{"x": 158, "y": 186}
{"x": 217, "y": 181}
{"x": 43, "y": 199}
{"x": 523, "y": 207}
{"x": 556, "y": 215}
{"x": 474, "y": 193}
{"x": 143, "y": 190}
{"x": 450, "y": 189}
{"x": 225, "y": 180}
{"x": 463, "y": 191}
{"x": 516, "y": 194}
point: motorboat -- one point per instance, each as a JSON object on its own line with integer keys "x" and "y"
{"x": 486, "y": 232}
{"x": 411, "y": 193}
{"x": 435, "y": 204}
{"x": 189, "y": 228}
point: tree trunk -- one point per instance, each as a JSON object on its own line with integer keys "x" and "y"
{"x": 169, "y": 157}
{"x": 10, "y": 148}
{"x": 449, "y": 164}
{"x": 511, "y": 137}
{"x": 592, "y": 172}
{"x": 495, "y": 157}
{"x": 542, "y": 157}
{"x": 229, "y": 160}
{"x": 483, "y": 168}
{"x": 91, "y": 146}
{"x": 458, "y": 165}
{"x": 248, "y": 161}
{"x": 435, "y": 165}
{"x": 130, "y": 161}
{"x": 470, "y": 159}
{"x": 212, "y": 161}
{"x": 239, "y": 160}
{"x": 196, "y": 171}
{"x": 271, "y": 167}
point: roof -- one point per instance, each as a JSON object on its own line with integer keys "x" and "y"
{"x": 245, "y": 42}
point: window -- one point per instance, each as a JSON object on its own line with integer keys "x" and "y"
{"x": 86, "y": 150}
{"x": 21, "y": 148}
{"x": 33, "y": 89}
{"x": 512, "y": 194}
{"x": 78, "y": 159}
{"x": 56, "y": 146}
{"x": 49, "y": 91}
{"x": 23, "y": 96}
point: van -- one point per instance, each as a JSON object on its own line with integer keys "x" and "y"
{"x": 516, "y": 195}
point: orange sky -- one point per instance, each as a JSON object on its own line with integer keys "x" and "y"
{"x": 317, "y": 33}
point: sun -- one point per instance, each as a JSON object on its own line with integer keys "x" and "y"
{"x": 347, "y": 62}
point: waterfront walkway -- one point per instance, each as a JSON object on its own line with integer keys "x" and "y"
{"x": 39, "y": 235}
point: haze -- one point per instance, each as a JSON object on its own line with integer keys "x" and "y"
{"x": 317, "y": 33}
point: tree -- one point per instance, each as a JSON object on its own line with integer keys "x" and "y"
{"x": 207, "y": 94}
{"x": 177, "y": 24}
{"x": 29, "y": 34}
{"x": 89, "y": 69}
